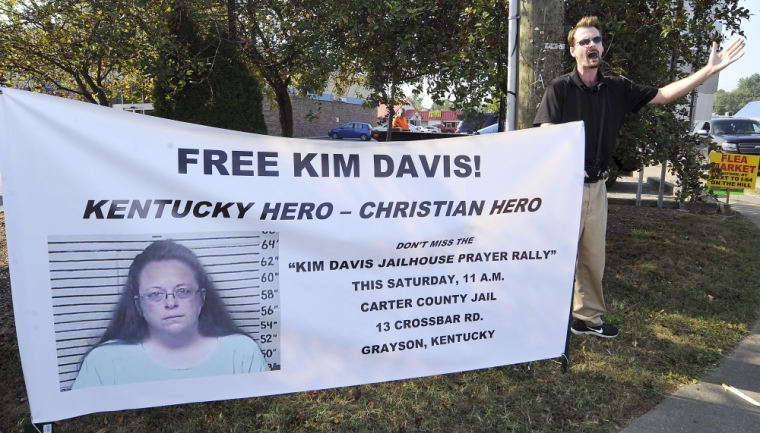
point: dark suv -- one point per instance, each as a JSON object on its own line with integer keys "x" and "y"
{"x": 733, "y": 134}
{"x": 480, "y": 121}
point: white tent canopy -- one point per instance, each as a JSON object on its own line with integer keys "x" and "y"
{"x": 751, "y": 110}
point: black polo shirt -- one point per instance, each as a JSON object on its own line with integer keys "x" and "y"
{"x": 602, "y": 107}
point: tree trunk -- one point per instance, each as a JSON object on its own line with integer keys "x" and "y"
{"x": 391, "y": 112}
{"x": 232, "y": 19}
{"x": 89, "y": 87}
{"x": 501, "y": 76}
{"x": 285, "y": 108}
{"x": 543, "y": 42}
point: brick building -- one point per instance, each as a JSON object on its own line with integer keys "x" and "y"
{"x": 422, "y": 117}
{"x": 314, "y": 117}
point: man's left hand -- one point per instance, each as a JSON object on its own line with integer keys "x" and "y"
{"x": 720, "y": 60}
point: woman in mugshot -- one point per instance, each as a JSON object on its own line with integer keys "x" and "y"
{"x": 169, "y": 323}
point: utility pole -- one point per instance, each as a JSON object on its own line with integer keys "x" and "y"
{"x": 543, "y": 42}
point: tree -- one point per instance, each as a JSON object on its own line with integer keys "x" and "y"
{"x": 203, "y": 79}
{"x": 747, "y": 91}
{"x": 444, "y": 104}
{"x": 416, "y": 101}
{"x": 85, "y": 47}
{"x": 474, "y": 73}
{"x": 287, "y": 41}
{"x": 394, "y": 43}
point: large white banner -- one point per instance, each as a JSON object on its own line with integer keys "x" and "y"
{"x": 156, "y": 262}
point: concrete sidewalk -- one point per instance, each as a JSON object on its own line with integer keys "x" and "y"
{"x": 705, "y": 407}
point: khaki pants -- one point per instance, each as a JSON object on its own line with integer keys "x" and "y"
{"x": 588, "y": 300}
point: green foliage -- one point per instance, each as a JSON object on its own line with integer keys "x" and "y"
{"x": 204, "y": 80}
{"x": 475, "y": 71}
{"x": 494, "y": 106}
{"x": 416, "y": 101}
{"x": 454, "y": 49}
{"x": 747, "y": 91}
{"x": 394, "y": 43}
{"x": 85, "y": 47}
{"x": 692, "y": 167}
{"x": 389, "y": 44}
{"x": 444, "y": 104}
{"x": 655, "y": 42}
{"x": 290, "y": 45}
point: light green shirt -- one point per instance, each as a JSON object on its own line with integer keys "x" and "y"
{"x": 114, "y": 363}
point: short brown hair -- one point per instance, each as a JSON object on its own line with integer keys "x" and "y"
{"x": 584, "y": 22}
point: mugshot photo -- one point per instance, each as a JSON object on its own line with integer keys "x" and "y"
{"x": 144, "y": 308}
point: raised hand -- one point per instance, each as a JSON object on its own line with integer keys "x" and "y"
{"x": 720, "y": 60}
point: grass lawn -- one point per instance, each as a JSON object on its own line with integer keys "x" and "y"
{"x": 682, "y": 287}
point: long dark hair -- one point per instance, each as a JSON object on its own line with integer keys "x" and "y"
{"x": 127, "y": 324}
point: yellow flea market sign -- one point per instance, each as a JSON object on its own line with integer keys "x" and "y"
{"x": 738, "y": 171}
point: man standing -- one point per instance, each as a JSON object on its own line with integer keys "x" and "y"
{"x": 400, "y": 120}
{"x": 602, "y": 102}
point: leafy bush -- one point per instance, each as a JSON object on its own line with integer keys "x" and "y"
{"x": 203, "y": 80}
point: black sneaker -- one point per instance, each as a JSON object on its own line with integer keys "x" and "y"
{"x": 579, "y": 327}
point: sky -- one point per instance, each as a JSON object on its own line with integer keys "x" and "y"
{"x": 750, "y": 63}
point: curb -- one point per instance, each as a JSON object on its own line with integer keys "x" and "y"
{"x": 645, "y": 202}
{"x": 668, "y": 187}
{"x": 703, "y": 207}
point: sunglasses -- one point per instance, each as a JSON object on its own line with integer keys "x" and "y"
{"x": 585, "y": 42}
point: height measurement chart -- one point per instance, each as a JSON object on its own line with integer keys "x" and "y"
{"x": 155, "y": 262}
{"x": 267, "y": 328}
{"x": 88, "y": 275}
